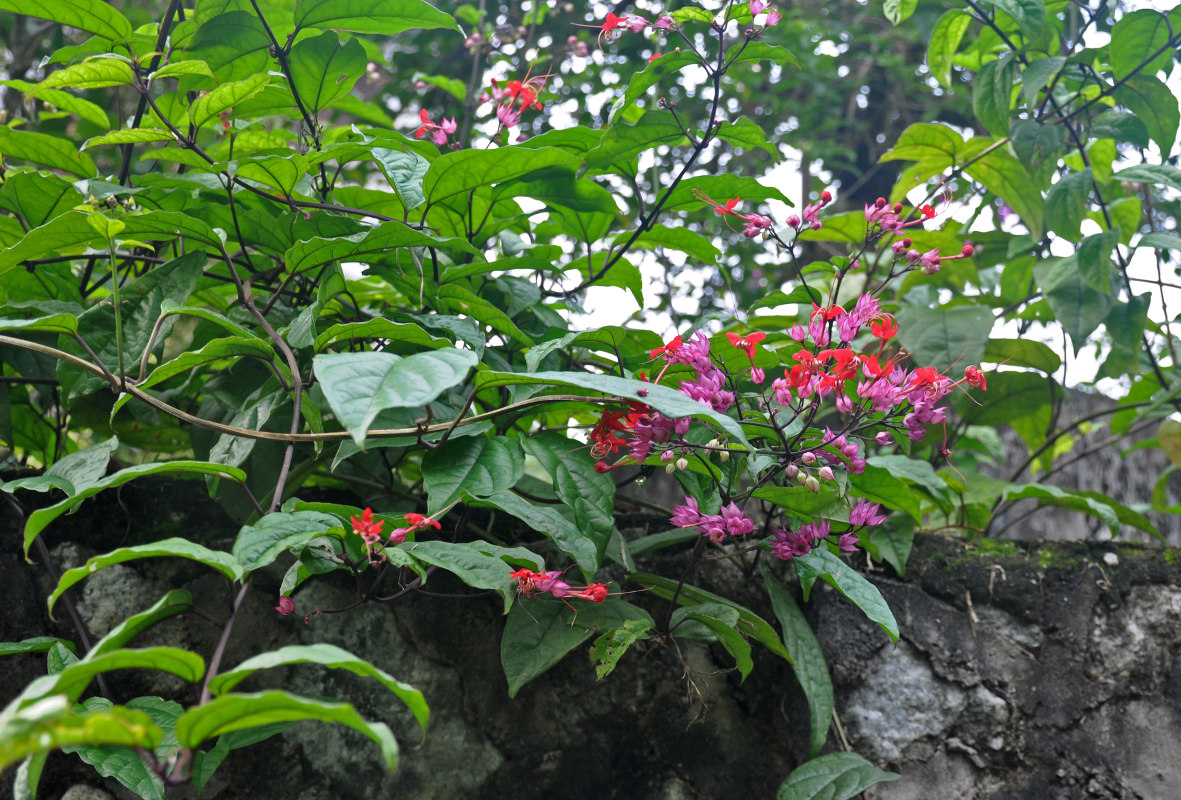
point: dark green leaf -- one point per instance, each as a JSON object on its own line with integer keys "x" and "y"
{"x": 837, "y": 776}
{"x": 235, "y": 712}
{"x": 385, "y": 17}
{"x": 260, "y": 544}
{"x": 1153, "y": 103}
{"x": 323, "y": 68}
{"x": 478, "y": 564}
{"x": 94, "y": 16}
{"x": 822, "y": 564}
{"x": 172, "y": 548}
{"x": 1139, "y": 41}
{"x": 328, "y": 655}
{"x": 359, "y": 386}
{"x": 1030, "y": 15}
{"x": 945, "y": 337}
{"x": 806, "y": 657}
{"x": 1067, "y": 203}
{"x": 991, "y": 93}
{"x": 1022, "y": 353}
{"x": 723, "y": 621}
{"x": 45, "y": 149}
{"x": 169, "y": 605}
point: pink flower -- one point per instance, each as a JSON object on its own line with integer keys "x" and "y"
{"x": 286, "y": 606}
{"x": 866, "y": 513}
{"x": 848, "y": 542}
{"x": 773, "y": 17}
{"x": 687, "y": 515}
{"x": 758, "y": 7}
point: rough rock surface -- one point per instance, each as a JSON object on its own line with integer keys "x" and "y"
{"x": 1024, "y": 672}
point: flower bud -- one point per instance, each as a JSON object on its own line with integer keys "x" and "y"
{"x": 682, "y": 463}
{"x": 808, "y": 458}
{"x": 670, "y": 469}
{"x": 667, "y": 456}
{"x": 825, "y": 472}
{"x": 724, "y": 456}
{"x": 812, "y": 485}
{"x": 792, "y": 470}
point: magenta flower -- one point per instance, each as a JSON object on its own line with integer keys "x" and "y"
{"x": 687, "y": 515}
{"x": 866, "y": 513}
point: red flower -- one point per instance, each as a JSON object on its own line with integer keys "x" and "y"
{"x": 923, "y": 377}
{"x": 928, "y": 212}
{"x": 419, "y": 521}
{"x": 884, "y": 327}
{"x": 829, "y": 314}
{"x": 729, "y": 207}
{"x": 366, "y": 527}
{"x": 673, "y": 346}
{"x": 596, "y": 593}
{"x": 747, "y": 343}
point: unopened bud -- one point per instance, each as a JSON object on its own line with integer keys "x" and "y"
{"x": 724, "y": 456}
{"x": 968, "y": 250}
{"x": 825, "y": 472}
{"x": 667, "y": 456}
{"x": 808, "y": 458}
{"x": 802, "y": 478}
{"x": 669, "y": 469}
{"x": 812, "y": 484}
{"x": 792, "y": 470}
{"x": 682, "y": 463}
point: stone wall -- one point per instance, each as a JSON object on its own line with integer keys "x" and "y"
{"x": 1024, "y": 671}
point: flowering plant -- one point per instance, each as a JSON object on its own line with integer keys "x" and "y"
{"x": 357, "y": 310}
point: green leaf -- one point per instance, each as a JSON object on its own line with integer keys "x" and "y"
{"x": 1022, "y": 353}
{"x": 806, "y": 657}
{"x": 899, "y": 10}
{"x": 71, "y": 474}
{"x": 234, "y": 45}
{"x": 927, "y": 142}
{"x": 1038, "y": 147}
{"x": 37, "y": 197}
{"x": 1158, "y": 174}
{"x": 537, "y": 637}
{"x": 798, "y": 501}
{"x": 752, "y": 624}
{"x": 1151, "y": 101}
{"x": 169, "y": 605}
{"x": 911, "y": 469}
{"x": 48, "y": 724}
{"x": 178, "y": 68}
{"x": 1094, "y": 261}
{"x": 359, "y": 386}
{"x": 1138, "y": 36}
{"x": 747, "y": 135}
{"x": 129, "y": 136}
{"x": 280, "y": 172}
{"x": 38, "y": 644}
{"x": 1067, "y": 203}
{"x": 1006, "y": 177}
{"x": 1038, "y": 74}
{"x": 945, "y": 337}
{"x": 891, "y": 542}
{"x": 1079, "y": 308}
{"x": 945, "y": 40}
{"x": 229, "y": 350}
{"x": 225, "y": 97}
{"x": 93, "y": 16}
{"x": 667, "y": 401}
{"x": 405, "y": 171}
{"x": 589, "y": 493}
{"x": 1030, "y": 15}
{"x": 549, "y": 521}
{"x": 477, "y": 466}
{"x": 64, "y": 101}
{"x": 173, "y": 548}
{"x": 1126, "y": 323}
{"x": 609, "y": 647}
{"x": 327, "y": 655}
{"x": 316, "y": 252}
{"x": 478, "y": 564}
{"x": 644, "y": 79}
{"x": 43, "y": 516}
{"x": 722, "y": 620}
{"x": 73, "y": 680}
{"x": 837, "y": 776}
{"x": 235, "y": 712}
{"x": 822, "y": 564}
{"x": 93, "y": 73}
{"x": 45, "y": 149}
{"x": 385, "y": 17}
{"x": 882, "y": 486}
{"x": 260, "y": 544}
{"x": 466, "y": 170}
{"x": 403, "y": 333}
{"x": 323, "y": 68}
{"x": 1087, "y": 503}
{"x": 123, "y": 764}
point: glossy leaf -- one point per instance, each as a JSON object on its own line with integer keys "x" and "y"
{"x": 46, "y": 150}
{"x": 807, "y": 659}
{"x": 327, "y": 655}
{"x": 316, "y": 252}
{"x": 359, "y": 386}
{"x": 43, "y": 516}
{"x": 171, "y": 604}
{"x": 944, "y": 338}
{"x": 171, "y": 548}
{"x": 548, "y": 521}
{"x": 477, "y": 466}
{"x": 899, "y": 10}
{"x": 94, "y": 73}
{"x": 751, "y": 623}
{"x": 479, "y": 564}
{"x": 258, "y": 545}
{"x": 94, "y": 16}
{"x": 1030, "y": 15}
{"x": 945, "y": 40}
{"x": 38, "y": 644}
{"x": 820, "y": 563}
{"x": 48, "y": 724}
{"x": 722, "y": 620}
{"x": 223, "y": 99}
{"x": 385, "y": 17}
{"x": 1153, "y": 103}
{"x": 837, "y": 776}
{"x": 538, "y": 637}
{"x": 323, "y": 68}
{"x": 235, "y": 712}
{"x": 1139, "y": 42}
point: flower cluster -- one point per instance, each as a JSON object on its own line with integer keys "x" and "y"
{"x": 438, "y": 131}
{"x": 787, "y": 544}
{"x": 531, "y": 583}
{"x": 732, "y": 521}
{"x": 369, "y": 530}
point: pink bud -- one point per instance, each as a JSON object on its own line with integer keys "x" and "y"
{"x": 826, "y": 473}
{"x": 968, "y": 250}
{"x": 808, "y": 458}
{"x": 286, "y": 606}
